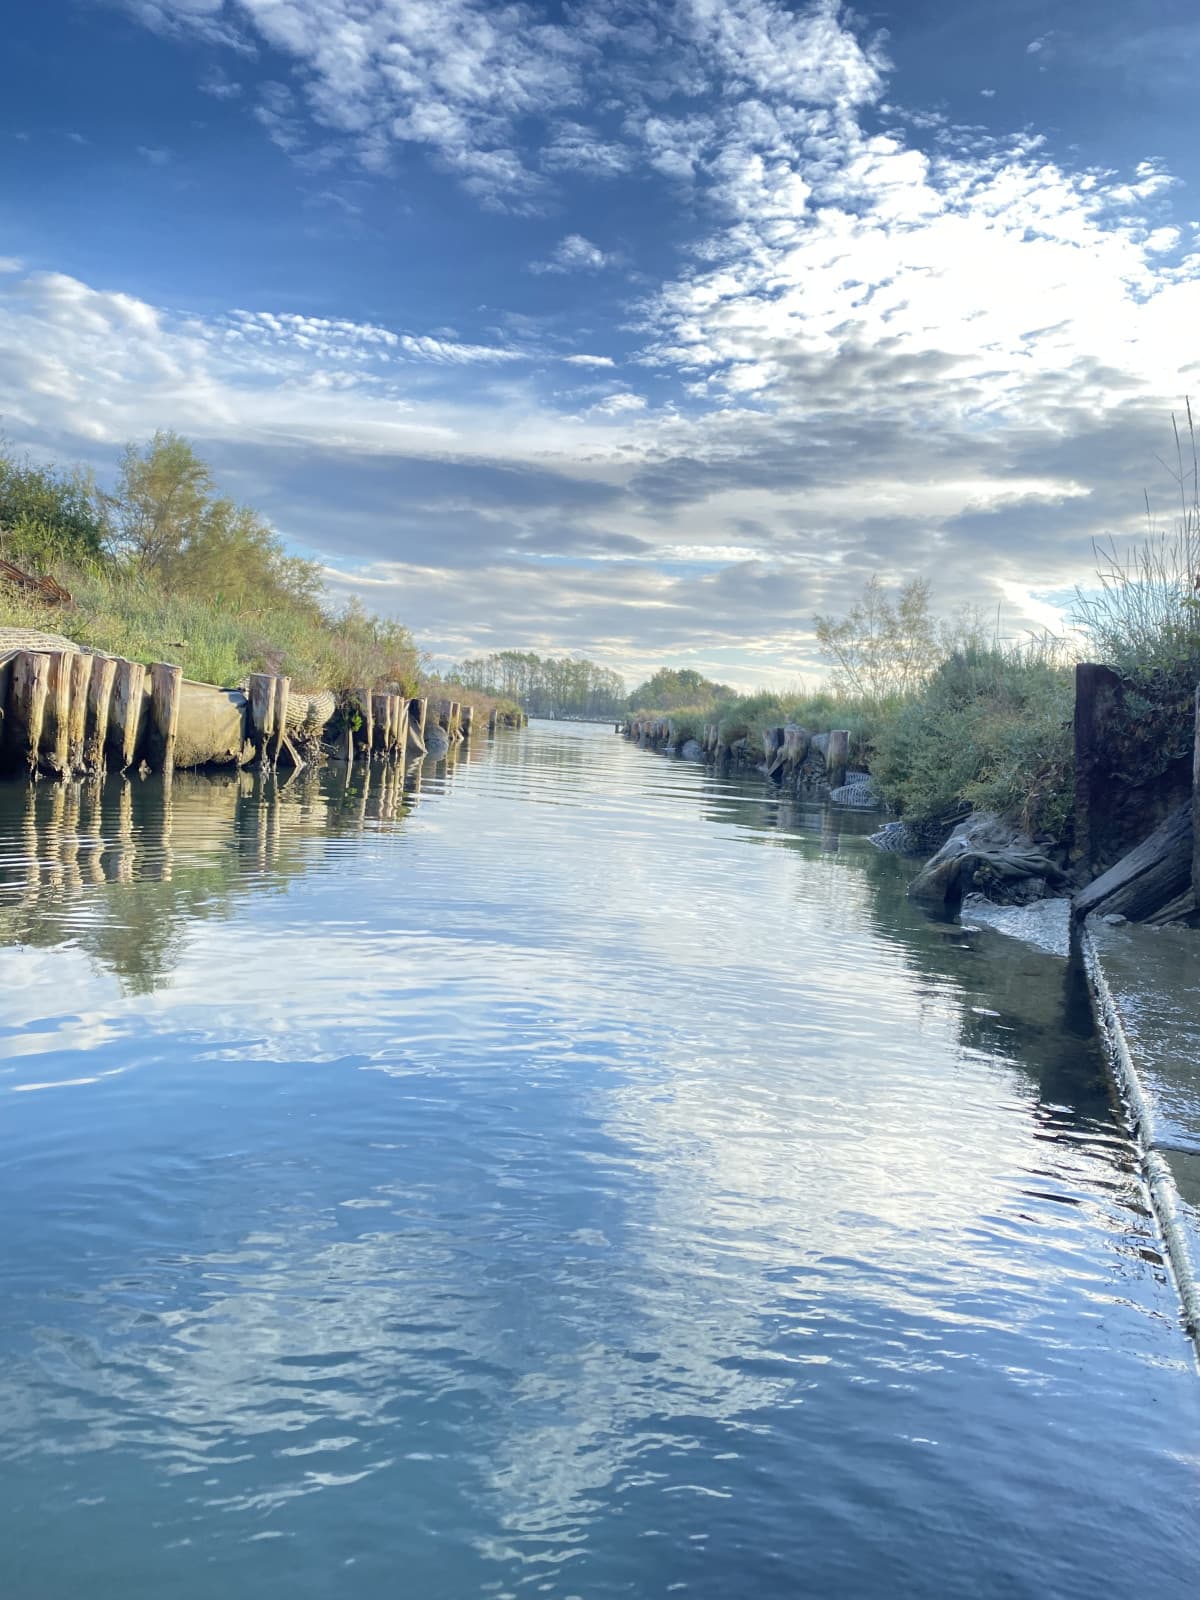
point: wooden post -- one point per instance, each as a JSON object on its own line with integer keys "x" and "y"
{"x": 56, "y": 750}
{"x": 164, "y": 714}
{"x": 1099, "y": 702}
{"x": 125, "y": 716}
{"x": 837, "y": 757}
{"x": 283, "y": 693}
{"x": 81, "y": 676}
{"x": 468, "y": 720}
{"x": 492, "y": 715}
{"x": 418, "y": 711}
{"x": 99, "y": 699}
{"x": 262, "y": 712}
{"x": 402, "y": 716}
{"x": 366, "y": 733}
{"x": 379, "y": 712}
{"x": 27, "y": 704}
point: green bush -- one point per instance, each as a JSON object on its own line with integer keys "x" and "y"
{"x": 48, "y": 517}
{"x": 992, "y": 729}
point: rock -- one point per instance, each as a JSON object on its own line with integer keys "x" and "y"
{"x": 692, "y": 750}
{"x": 436, "y": 741}
{"x": 985, "y": 853}
{"x": 1114, "y": 919}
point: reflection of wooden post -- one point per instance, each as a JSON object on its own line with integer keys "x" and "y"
{"x": 27, "y": 703}
{"x": 164, "y": 714}
{"x": 99, "y": 700}
{"x": 262, "y": 712}
{"x": 126, "y": 713}
{"x": 837, "y": 757}
{"x": 81, "y": 677}
{"x": 58, "y": 710}
{"x": 126, "y": 854}
{"x": 94, "y": 827}
{"x": 283, "y": 694}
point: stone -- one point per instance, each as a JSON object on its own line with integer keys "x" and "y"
{"x": 985, "y": 853}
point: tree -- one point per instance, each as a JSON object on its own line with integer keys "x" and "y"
{"x": 48, "y": 516}
{"x": 550, "y": 686}
{"x": 162, "y": 499}
{"x": 885, "y": 647}
{"x": 672, "y": 688}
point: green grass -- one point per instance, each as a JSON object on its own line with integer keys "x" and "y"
{"x": 124, "y": 614}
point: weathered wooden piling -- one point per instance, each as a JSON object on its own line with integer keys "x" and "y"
{"x": 837, "y": 757}
{"x": 262, "y": 712}
{"x": 56, "y": 733}
{"x": 28, "y": 688}
{"x": 283, "y": 692}
{"x": 125, "y": 715}
{"x": 418, "y": 712}
{"x": 1099, "y": 706}
{"x": 467, "y": 720}
{"x": 380, "y": 717}
{"x": 165, "y": 682}
{"x": 82, "y": 666}
{"x": 99, "y": 700}
{"x": 492, "y": 715}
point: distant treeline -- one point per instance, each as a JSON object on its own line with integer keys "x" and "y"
{"x": 545, "y": 686}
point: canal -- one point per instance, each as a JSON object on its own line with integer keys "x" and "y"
{"x": 571, "y": 1175}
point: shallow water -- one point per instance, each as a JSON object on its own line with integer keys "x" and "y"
{"x": 582, "y": 1177}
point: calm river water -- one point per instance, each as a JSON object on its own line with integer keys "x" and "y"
{"x": 581, "y": 1178}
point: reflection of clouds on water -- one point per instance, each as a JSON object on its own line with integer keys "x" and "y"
{"x": 533, "y": 1175}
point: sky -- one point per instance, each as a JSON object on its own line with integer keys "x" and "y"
{"x": 639, "y": 329}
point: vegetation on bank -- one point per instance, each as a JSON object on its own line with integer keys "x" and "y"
{"x": 165, "y": 568}
{"x": 544, "y": 686}
{"x": 949, "y": 719}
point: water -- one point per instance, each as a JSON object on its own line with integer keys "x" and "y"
{"x": 585, "y": 1178}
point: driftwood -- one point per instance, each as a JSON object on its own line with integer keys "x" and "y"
{"x": 1149, "y": 878}
{"x": 48, "y": 589}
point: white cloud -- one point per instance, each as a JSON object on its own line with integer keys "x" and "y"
{"x": 618, "y": 404}
{"x": 574, "y": 254}
{"x": 221, "y": 87}
{"x": 894, "y": 345}
{"x": 156, "y": 156}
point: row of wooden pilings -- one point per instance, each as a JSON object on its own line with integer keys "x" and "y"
{"x": 67, "y": 713}
{"x": 784, "y": 747}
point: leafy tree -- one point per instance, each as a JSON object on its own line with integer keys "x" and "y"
{"x": 671, "y": 688}
{"x": 547, "y": 686}
{"x": 162, "y": 500}
{"x": 886, "y": 646}
{"x": 48, "y": 516}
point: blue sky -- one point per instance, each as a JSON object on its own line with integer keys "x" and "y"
{"x": 644, "y": 329}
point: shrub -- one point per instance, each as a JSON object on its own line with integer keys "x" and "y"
{"x": 993, "y": 730}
